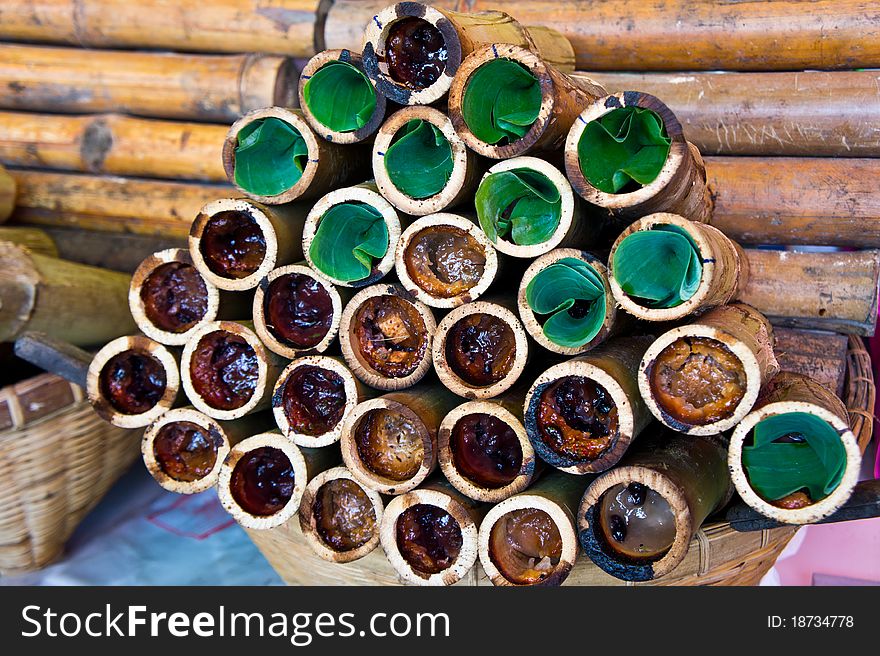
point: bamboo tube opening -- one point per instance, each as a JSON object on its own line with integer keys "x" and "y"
{"x": 295, "y": 311}
{"x": 568, "y": 230}
{"x": 351, "y": 199}
{"x": 484, "y": 451}
{"x": 445, "y": 260}
{"x": 429, "y": 537}
{"x": 261, "y": 482}
{"x": 343, "y": 125}
{"x": 169, "y": 298}
{"x": 536, "y": 284}
{"x": 679, "y": 187}
{"x": 385, "y": 336}
{"x": 480, "y": 349}
{"x": 131, "y": 381}
{"x": 723, "y": 268}
{"x": 339, "y": 517}
{"x": 393, "y": 165}
{"x": 312, "y": 398}
{"x": 184, "y": 449}
{"x": 789, "y": 395}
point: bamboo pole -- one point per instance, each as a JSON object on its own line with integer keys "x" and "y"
{"x": 7, "y": 194}
{"x": 161, "y": 85}
{"x": 80, "y": 304}
{"x": 33, "y": 239}
{"x": 113, "y": 144}
{"x": 117, "y": 251}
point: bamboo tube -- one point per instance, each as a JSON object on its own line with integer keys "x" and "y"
{"x": 704, "y": 377}
{"x": 132, "y": 381}
{"x": 227, "y": 373}
{"x": 466, "y": 167}
{"x": 367, "y": 194}
{"x": 430, "y": 535}
{"x": 33, "y": 239}
{"x": 315, "y": 64}
{"x": 285, "y": 27}
{"x": 484, "y": 451}
{"x": 348, "y": 529}
{"x": 689, "y": 480}
{"x": 235, "y": 242}
{"x": 161, "y": 85}
{"x": 805, "y": 113}
{"x": 534, "y": 326}
{"x": 788, "y": 393}
{"x": 385, "y": 336}
{"x": 821, "y": 356}
{"x": 445, "y": 260}
{"x": 111, "y": 204}
{"x": 113, "y": 144}
{"x": 313, "y": 397}
{"x": 7, "y": 194}
{"x": 724, "y": 269}
{"x": 604, "y": 384}
{"x": 448, "y": 37}
{"x": 390, "y": 443}
{"x": 679, "y": 188}
{"x": 329, "y": 165}
{"x": 262, "y": 480}
{"x": 296, "y": 311}
{"x": 542, "y": 517}
{"x": 76, "y": 303}
{"x": 497, "y": 354}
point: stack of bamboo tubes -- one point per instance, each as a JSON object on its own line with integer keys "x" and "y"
{"x": 445, "y": 424}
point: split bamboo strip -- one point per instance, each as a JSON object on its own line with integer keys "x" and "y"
{"x": 161, "y": 85}
{"x": 33, "y": 239}
{"x": 7, "y": 194}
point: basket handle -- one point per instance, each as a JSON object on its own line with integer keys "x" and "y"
{"x": 55, "y": 356}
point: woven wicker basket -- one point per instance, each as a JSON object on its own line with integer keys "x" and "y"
{"x": 57, "y": 460}
{"x": 719, "y": 555}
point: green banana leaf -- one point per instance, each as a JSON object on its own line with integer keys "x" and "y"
{"x": 556, "y": 289}
{"x": 270, "y": 157}
{"x": 658, "y": 268}
{"x": 522, "y": 203}
{"x": 350, "y": 238}
{"x": 419, "y": 160}
{"x": 501, "y": 101}
{"x": 340, "y": 97}
{"x": 625, "y": 148}
{"x": 777, "y": 469}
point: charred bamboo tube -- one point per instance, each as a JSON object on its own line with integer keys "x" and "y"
{"x": 531, "y": 538}
{"x": 76, "y": 303}
{"x": 132, "y": 381}
{"x": 7, "y": 194}
{"x": 480, "y": 349}
{"x": 231, "y": 25}
{"x": 262, "y": 480}
{"x": 371, "y": 208}
{"x": 806, "y": 416}
{"x": 445, "y": 260}
{"x": 825, "y": 114}
{"x": 313, "y": 397}
{"x": 113, "y": 144}
{"x": 33, "y": 239}
{"x": 340, "y": 518}
{"x": 677, "y": 481}
{"x": 593, "y": 309}
{"x": 296, "y": 311}
{"x": 430, "y": 535}
{"x": 680, "y": 185}
{"x": 161, "y": 85}
{"x": 234, "y": 242}
{"x": 562, "y": 99}
{"x": 343, "y": 125}
{"x": 227, "y": 372}
{"x": 385, "y": 336}
{"x": 723, "y": 271}
{"x": 390, "y": 443}
{"x": 412, "y": 51}
{"x": 582, "y": 415}
{"x": 396, "y": 172}
{"x": 704, "y": 377}
{"x": 318, "y": 167}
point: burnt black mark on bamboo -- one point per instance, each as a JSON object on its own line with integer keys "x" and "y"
{"x": 599, "y": 551}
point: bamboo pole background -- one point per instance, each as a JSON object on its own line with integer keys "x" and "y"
{"x": 34, "y": 239}
{"x": 7, "y": 194}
